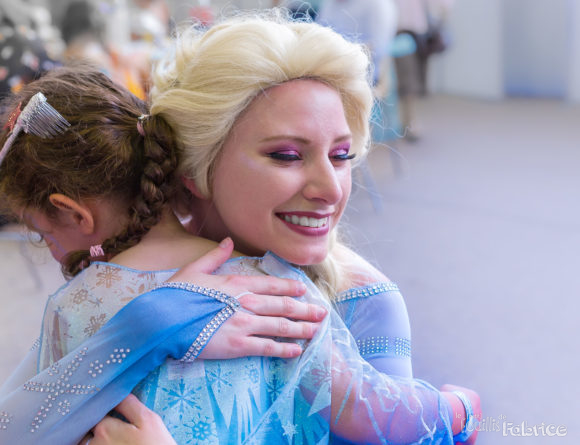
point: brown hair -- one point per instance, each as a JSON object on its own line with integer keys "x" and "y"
{"x": 101, "y": 155}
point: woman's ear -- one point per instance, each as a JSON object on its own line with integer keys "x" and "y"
{"x": 74, "y": 212}
{"x": 190, "y": 185}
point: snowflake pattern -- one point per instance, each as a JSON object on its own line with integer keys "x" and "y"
{"x": 80, "y": 296}
{"x": 95, "y": 323}
{"x": 108, "y": 276}
{"x": 58, "y": 388}
{"x": 219, "y": 378}
{"x": 182, "y": 397}
{"x": 289, "y": 430}
{"x": 198, "y": 430}
{"x": 253, "y": 374}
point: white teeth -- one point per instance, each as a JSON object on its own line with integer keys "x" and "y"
{"x": 305, "y": 221}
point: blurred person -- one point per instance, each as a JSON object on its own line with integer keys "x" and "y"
{"x": 300, "y": 9}
{"x": 374, "y": 24}
{"x": 83, "y": 29}
{"x": 424, "y": 21}
{"x": 23, "y": 53}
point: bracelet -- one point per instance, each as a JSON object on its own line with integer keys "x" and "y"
{"x": 470, "y": 420}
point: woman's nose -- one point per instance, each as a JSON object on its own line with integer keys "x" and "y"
{"x": 324, "y": 183}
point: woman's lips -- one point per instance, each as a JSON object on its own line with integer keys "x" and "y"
{"x": 309, "y": 224}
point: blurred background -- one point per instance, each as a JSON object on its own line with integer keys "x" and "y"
{"x": 469, "y": 200}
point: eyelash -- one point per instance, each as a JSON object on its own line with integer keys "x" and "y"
{"x": 291, "y": 157}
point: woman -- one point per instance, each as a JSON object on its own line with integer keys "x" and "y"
{"x": 266, "y": 146}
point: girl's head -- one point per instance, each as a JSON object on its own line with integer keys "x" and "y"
{"x": 242, "y": 73}
{"x": 105, "y": 180}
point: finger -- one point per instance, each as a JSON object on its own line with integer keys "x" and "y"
{"x": 269, "y": 348}
{"x": 111, "y": 427}
{"x": 280, "y": 327}
{"x": 282, "y": 306}
{"x": 132, "y": 409}
{"x": 86, "y": 439}
{"x": 265, "y": 285}
{"x": 209, "y": 262}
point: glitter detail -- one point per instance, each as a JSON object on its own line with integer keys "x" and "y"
{"x": 384, "y": 345}
{"x": 55, "y": 390}
{"x": 366, "y": 291}
{"x": 5, "y": 419}
{"x": 117, "y": 357}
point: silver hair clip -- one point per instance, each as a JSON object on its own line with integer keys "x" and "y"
{"x": 37, "y": 118}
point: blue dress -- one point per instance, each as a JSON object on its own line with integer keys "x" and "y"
{"x": 306, "y": 400}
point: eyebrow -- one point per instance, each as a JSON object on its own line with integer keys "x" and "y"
{"x": 301, "y": 139}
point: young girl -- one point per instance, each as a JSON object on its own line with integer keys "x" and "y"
{"x": 95, "y": 187}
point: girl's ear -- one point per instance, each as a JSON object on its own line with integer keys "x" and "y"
{"x": 74, "y": 212}
{"x": 190, "y": 185}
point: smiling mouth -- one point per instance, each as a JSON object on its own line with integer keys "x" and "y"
{"x": 305, "y": 221}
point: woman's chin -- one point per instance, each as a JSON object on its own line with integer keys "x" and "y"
{"x": 304, "y": 258}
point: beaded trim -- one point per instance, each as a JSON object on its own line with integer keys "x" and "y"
{"x": 382, "y": 345}
{"x": 35, "y": 345}
{"x": 208, "y": 331}
{"x": 207, "y": 291}
{"x": 366, "y": 291}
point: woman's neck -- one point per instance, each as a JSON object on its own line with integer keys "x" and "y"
{"x": 166, "y": 246}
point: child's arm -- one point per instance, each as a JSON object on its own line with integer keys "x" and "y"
{"x": 68, "y": 398}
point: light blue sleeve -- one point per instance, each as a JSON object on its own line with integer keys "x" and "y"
{"x": 377, "y": 318}
{"x": 63, "y": 402}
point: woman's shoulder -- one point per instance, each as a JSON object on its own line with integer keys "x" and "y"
{"x": 358, "y": 272}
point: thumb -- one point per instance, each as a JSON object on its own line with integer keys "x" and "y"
{"x": 209, "y": 262}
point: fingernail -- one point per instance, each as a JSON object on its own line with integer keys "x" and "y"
{"x": 225, "y": 243}
{"x": 300, "y": 288}
{"x": 296, "y": 351}
{"x": 321, "y": 313}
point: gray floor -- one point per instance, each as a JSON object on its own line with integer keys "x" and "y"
{"x": 479, "y": 224}
{"x": 480, "y": 227}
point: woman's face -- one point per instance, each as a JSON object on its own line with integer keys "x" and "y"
{"x": 283, "y": 178}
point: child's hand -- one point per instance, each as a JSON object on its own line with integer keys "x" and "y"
{"x": 268, "y": 300}
{"x": 145, "y": 427}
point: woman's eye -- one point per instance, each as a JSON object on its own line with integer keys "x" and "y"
{"x": 344, "y": 156}
{"x": 284, "y": 156}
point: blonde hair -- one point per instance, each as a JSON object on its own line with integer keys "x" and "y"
{"x": 203, "y": 87}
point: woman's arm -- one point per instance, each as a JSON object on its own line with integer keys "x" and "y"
{"x": 375, "y": 313}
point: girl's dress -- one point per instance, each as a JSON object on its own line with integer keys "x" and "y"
{"x": 329, "y": 393}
